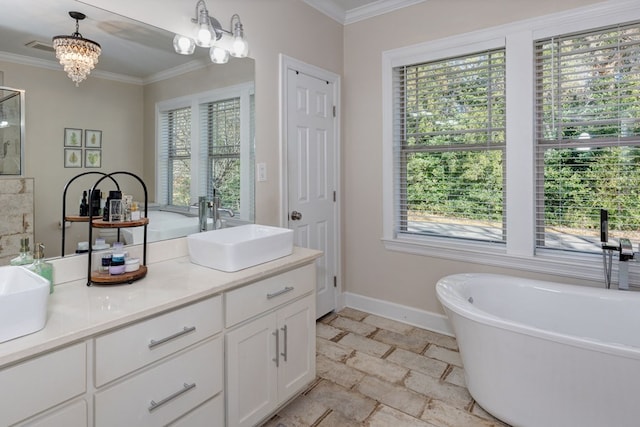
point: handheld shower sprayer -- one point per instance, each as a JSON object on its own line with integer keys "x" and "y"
{"x": 604, "y": 225}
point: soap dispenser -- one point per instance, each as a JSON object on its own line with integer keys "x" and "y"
{"x": 25, "y": 257}
{"x": 40, "y": 266}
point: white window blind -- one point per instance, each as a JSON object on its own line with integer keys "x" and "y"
{"x": 174, "y": 157}
{"x": 449, "y": 147}
{"x": 587, "y": 136}
{"x": 220, "y": 134}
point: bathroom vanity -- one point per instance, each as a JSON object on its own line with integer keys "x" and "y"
{"x": 185, "y": 346}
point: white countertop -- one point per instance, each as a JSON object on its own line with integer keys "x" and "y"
{"x": 77, "y": 311}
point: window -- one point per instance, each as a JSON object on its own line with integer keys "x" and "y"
{"x": 205, "y": 144}
{"x": 176, "y": 129}
{"x": 449, "y": 133}
{"x": 568, "y": 144}
{"x": 588, "y": 136}
{"x": 221, "y": 135}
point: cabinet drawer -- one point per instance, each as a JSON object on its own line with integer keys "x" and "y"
{"x": 73, "y": 415}
{"x": 251, "y": 300}
{"x": 41, "y": 383}
{"x": 127, "y": 349}
{"x": 210, "y": 414}
{"x": 165, "y": 392}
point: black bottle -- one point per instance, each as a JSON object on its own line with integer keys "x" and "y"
{"x": 105, "y": 210}
{"x": 95, "y": 202}
{"x": 84, "y": 207}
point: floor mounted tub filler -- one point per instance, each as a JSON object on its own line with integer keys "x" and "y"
{"x": 547, "y": 354}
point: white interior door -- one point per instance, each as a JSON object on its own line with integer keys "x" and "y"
{"x": 311, "y": 176}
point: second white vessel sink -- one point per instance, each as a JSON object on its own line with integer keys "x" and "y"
{"x": 236, "y": 248}
{"x": 23, "y": 302}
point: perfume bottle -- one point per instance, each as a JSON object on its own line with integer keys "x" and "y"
{"x": 40, "y": 266}
{"x": 25, "y": 256}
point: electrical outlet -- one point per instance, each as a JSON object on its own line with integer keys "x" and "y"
{"x": 262, "y": 172}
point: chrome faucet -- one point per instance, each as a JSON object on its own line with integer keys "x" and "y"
{"x": 215, "y": 212}
{"x": 625, "y": 252}
{"x": 203, "y": 206}
{"x": 202, "y": 213}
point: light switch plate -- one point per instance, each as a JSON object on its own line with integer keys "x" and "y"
{"x": 262, "y": 172}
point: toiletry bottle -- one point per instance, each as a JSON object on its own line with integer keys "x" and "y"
{"x": 25, "y": 257}
{"x": 96, "y": 200}
{"x": 40, "y": 266}
{"x": 84, "y": 206}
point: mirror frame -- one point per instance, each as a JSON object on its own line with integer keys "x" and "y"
{"x": 20, "y": 93}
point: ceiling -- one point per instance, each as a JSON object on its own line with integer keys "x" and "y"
{"x": 131, "y": 51}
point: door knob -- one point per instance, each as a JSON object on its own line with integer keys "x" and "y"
{"x": 295, "y": 216}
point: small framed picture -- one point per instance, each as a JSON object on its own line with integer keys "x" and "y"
{"x": 92, "y": 138}
{"x": 72, "y": 137}
{"x": 92, "y": 158}
{"x": 72, "y": 157}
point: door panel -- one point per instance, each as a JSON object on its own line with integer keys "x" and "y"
{"x": 311, "y": 154}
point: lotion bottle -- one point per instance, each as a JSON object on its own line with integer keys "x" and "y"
{"x": 25, "y": 257}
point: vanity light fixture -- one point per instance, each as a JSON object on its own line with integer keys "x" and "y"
{"x": 77, "y": 55}
{"x": 209, "y": 33}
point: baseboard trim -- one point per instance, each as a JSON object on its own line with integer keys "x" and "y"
{"x": 421, "y": 318}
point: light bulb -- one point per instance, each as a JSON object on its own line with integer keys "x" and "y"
{"x": 183, "y": 45}
{"x": 240, "y": 47}
{"x": 203, "y": 39}
{"x": 219, "y": 55}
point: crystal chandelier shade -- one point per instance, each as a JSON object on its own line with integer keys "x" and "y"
{"x": 76, "y": 54}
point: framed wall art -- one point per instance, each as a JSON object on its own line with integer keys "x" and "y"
{"x": 92, "y": 158}
{"x": 92, "y": 138}
{"x": 72, "y": 157}
{"x": 72, "y": 137}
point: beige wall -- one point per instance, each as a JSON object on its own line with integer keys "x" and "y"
{"x": 53, "y": 103}
{"x": 369, "y": 269}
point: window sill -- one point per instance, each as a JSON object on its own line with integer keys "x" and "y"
{"x": 573, "y": 265}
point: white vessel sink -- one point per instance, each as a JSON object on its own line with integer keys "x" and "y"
{"x": 23, "y": 302}
{"x": 235, "y": 248}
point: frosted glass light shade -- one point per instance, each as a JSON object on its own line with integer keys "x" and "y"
{"x": 183, "y": 45}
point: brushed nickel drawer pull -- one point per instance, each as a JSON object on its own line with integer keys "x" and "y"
{"x": 284, "y": 354}
{"x": 185, "y": 330}
{"x": 280, "y": 292}
{"x": 277, "y": 358}
{"x": 185, "y": 388}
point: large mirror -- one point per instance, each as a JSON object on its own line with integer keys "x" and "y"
{"x": 138, "y": 82}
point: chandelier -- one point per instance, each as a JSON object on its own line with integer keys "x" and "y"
{"x": 77, "y": 55}
{"x": 208, "y": 33}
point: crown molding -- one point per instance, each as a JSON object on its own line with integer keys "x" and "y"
{"x": 334, "y": 10}
{"x": 380, "y": 7}
{"x": 55, "y": 66}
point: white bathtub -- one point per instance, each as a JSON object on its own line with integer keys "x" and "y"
{"x": 547, "y": 354}
{"x": 163, "y": 225}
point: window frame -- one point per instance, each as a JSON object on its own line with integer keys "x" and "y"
{"x": 402, "y": 150}
{"x": 519, "y": 38}
{"x": 199, "y": 149}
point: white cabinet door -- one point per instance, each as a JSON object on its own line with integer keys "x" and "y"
{"x": 296, "y": 325}
{"x": 251, "y": 373}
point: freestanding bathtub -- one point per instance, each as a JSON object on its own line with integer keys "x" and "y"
{"x": 547, "y": 354}
{"x": 163, "y": 225}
